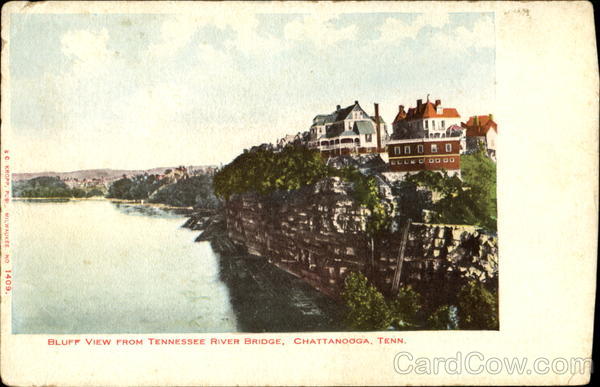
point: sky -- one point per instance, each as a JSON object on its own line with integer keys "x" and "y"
{"x": 136, "y": 91}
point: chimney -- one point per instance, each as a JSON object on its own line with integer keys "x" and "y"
{"x": 476, "y": 120}
{"x": 377, "y": 126}
{"x": 401, "y": 108}
{"x": 491, "y": 117}
{"x": 438, "y": 102}
{"x": 419, "y": 103}
{"x": 356, "y": 102}
{"x": 337, "y": 108}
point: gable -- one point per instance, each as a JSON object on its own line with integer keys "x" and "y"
{"x": 364, "y": 127}
{"x": 344, "y": 113}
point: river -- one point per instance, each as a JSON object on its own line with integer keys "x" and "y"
{"x": 100, "y": 267}
{"x": 94, "y": 266}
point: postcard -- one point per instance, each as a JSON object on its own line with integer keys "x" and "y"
{"x": 298, "y": 193}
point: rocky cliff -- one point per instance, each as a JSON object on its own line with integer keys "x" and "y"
{"x": 317, "y": 233}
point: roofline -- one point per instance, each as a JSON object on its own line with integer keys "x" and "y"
{"x": 411, "y": 140}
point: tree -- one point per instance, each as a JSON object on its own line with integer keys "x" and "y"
{"x": 195, "y": 191}
{"x": 477, "y": 307}
{"x": 479, "y": 174}
{"x": 78, "y": 193}
{"x": 411, "y": 201}
{"x": 367, "y": 308}
{"x": 405, "y": 307}
{"x": 264, "y": 171}
{"x": 42, "y": 187}
{"x": 94, "y": 192}
{"x": 443, "y": 318}
{"x": 470, "y": 201}
{"x": 137, "y": 188}
{"x": 120, "y": 189}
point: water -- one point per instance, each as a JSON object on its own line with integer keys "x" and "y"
{"x": 100, "y": 267}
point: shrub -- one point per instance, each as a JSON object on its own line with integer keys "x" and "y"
{"x": 366, "y": 192}
{"x": 443, "y": 318}
{"x": 367, "y": 308}
{"x": 477, "y": 307}
{"x": 405, "y": 307}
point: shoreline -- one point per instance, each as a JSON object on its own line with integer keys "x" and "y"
{"x": 265, "y": 297}
{"x": 23, "y": 198}
{"x": 148, "y": 204}
{"x": 101, "y": 198}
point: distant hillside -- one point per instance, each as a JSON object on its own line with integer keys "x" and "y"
{"x": 108, "y": 174}
{"x": 50, "y": 187}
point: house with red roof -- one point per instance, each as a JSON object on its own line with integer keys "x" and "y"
{"x": 426, "y": 137}
{"x": 426, "y": 120}
{"x": 481, "y": 130}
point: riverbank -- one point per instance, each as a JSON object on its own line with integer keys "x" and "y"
{"x": 148, "y": 204}
{"x": 180, "y": 209}
{"x": 25, "y": 199}
{"x": 264, "y": 297}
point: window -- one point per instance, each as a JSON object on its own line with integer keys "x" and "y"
{"x": 405, "y": 162}
{"x": 393, "y": 162}
{"x": 433, "y": 124}
{"x": 430, "y": 161}
{"x": 437, "y": 160}
{"x": 407, "y": 150}
{"x": 419, "y": 148}
{"x": 433, "y": 148}
{"x": 443, "y": 124}
{"x": 420, "y": 161}
{"x": 412, "y": 161}
{"x": 448, "y": 147}
{"x": 426, "y": 124}
{"x": 452, "y": 160}
{"x": 397, "y": 150}
{"x": 445, "y": 160}
{"x": 368, "y": 137}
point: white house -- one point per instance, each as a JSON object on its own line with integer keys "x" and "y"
{"x": 347, "y": 130}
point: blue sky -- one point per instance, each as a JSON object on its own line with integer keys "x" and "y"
{"x": 146, "y": 90}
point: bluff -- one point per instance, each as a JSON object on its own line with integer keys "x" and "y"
{"x": 318, "y": 234}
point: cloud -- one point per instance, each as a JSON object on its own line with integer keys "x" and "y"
{"x": 247, "y": 38}
{"x": 394, "y": 30}
{"x": 186, "y": 80}
{"x": 215, "y": 65}
{"x": 459, "y": 39}
{"x": 87, "y": 49}
{"x": 319, "y": 29}
{"x": 177, "y": 32}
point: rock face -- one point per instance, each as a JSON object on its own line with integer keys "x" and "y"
{"x": 439, "y": 258}
{"x": 317, "y": 233}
